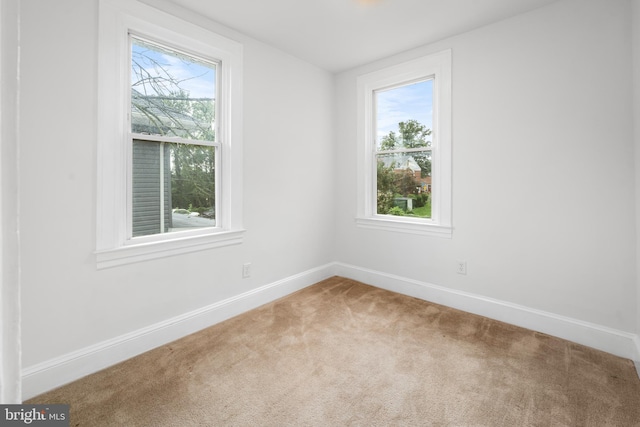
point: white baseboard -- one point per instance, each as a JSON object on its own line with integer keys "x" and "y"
{"x": 53, "y": 373}
{"x": 610, "y": 340}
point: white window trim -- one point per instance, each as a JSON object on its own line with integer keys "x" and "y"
{"x": 438, "y": 66}
{"x": 113, "y": 245}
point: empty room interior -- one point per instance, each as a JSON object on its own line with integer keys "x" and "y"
{"x": 454, "y": 184}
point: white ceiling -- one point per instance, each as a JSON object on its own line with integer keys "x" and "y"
{"x": 341, "y": 34}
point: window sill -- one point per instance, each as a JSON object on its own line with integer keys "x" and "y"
{"x": 147, "y": 251}
{"x": 406, "y": 226}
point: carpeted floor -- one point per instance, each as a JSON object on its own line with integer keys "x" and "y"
{"x": 341, "y": 353}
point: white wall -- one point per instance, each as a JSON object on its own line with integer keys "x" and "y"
{"x": 67, "y": 304}
{"x": 543, "y": 169}
{"x": 10, "y": 386}
{"x": 543, "y": 178}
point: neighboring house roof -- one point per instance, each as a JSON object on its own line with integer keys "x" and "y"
{"x": 402, "y": 162}
{"x": 149, "y": 115}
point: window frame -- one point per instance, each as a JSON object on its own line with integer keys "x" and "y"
{"x": 438, "y": 67}
{"x": 118, "y": 19}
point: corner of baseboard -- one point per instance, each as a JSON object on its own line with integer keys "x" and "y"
{"x": 636, "y": 359}
{"x": 72, "y": 366}
{"x": 619, "y": 343}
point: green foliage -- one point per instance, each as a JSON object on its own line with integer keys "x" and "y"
{"x": 423, "y": 212}
{"x": 395, "y": 184}
{"x": 386, "y": 188}
{"x": 396, "y": 210}
{"x": 405, "y": 183}
{"x": 193, "y": 176}
{"x": 412, "y": 134}
{"x": 391, "y": 185}
{"x": 384, "y": 202}
{"x": 420, "y": 200}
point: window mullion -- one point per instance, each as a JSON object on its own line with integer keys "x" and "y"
{"x": 405, "y": 150}
{"x": 162, "y": 138}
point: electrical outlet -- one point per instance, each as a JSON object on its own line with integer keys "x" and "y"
{"x": 461, "y": 267}
{"x": 246, "y": 270}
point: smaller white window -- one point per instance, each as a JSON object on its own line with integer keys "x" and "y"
{"x": 404, "y": 134}
{"x": 169, "y": 154}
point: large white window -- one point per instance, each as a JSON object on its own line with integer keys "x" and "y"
{"x": 169, "y": 136}
{"x": 404, "y": 133}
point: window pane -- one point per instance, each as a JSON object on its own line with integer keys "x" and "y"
{"x": 404, "y": 116}
{"x": 173, "y": 187}
{"x": 404, "y": 184}
{"x": 172, "y": 93}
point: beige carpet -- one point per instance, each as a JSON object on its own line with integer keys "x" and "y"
{"x": 341, "y": 353}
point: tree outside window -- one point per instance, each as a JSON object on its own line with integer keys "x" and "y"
{"x": 403, "y": 151}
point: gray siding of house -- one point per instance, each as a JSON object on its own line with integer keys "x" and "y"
{"x": 146, "y": 188}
